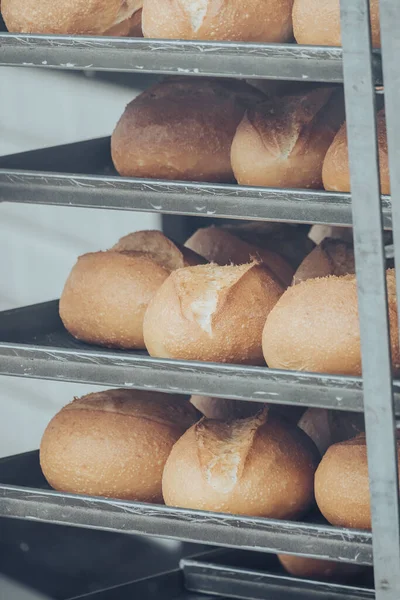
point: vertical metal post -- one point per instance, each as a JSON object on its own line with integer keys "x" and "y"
{"x": 372, "y": 295}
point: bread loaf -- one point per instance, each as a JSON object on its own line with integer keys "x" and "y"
{"x": 342, "y": 484}
{"x": 330, "y": 257}
{"x": 282, "y": 142}
{"x": 258, "y": 466}
{"x": 107, "y": 293}
{"x": 315, "y": 327}
{"x": 74, "y": 17}
{"x": 211, "y": 313}
{"x": 256, "y": 21}
{"x": 221, "y": 247}
{"x": 317, "y": 22}
{"x": 182, "y": 129}
{"x": 114, "y": 443}
{"x": 336, "y": 170}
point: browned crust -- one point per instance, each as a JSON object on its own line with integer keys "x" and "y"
{"x": 283, "y": 142}
{"x": 171, "y": 330}
{"x": 336, "y": 172}
{"x": 114, "y": 443}
{"x": 257, "y": 467}
{"x": 181, "y": 129}
{"x": 222, "y": 20}
{"x": 93, "y": 17}
{"x": 315, "y": 327}
{"x": 219, "y": 246}
{"x": 330, "y": 257}
{"x": 342, "y": 484}
{"x": 317, "y": 22}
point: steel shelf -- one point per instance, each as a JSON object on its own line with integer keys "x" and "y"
{"x": 168, "y": 57}
{"x": 39, "y": 177}
{"x": 24, "y": 495}
{"x": 34, "y": 343}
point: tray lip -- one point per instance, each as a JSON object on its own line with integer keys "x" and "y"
{"x": 193, "y": 563}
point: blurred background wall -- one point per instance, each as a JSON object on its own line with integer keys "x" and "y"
{"x": 39, "y": 244}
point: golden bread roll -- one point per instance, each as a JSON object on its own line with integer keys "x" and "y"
{"x": 259, "y": 466}
{"x": 182, "y": 129}
{"x": 336, "y": 170}
{"x": 74, "y": 17}
{"x": 315, "y": 327}
{"x": 330, "y": 257}
{"x": 342, "y": 484}
{"x": 282, "y": 142}
{"x": 256, "y": 21}
{"x": 114, "y": 443}
{"x": 223, "y": 248}
{"x": 312, "y": 568}
{"x": 317, "y": 22}
{"x": 107, "y": 293}
{"x": 211, "y": 313}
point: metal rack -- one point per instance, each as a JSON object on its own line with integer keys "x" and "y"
{"x": 33, "y": 343}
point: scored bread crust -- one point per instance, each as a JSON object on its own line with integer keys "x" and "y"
{"x": 106, "y": 294}
{"x": 114, "y": 443}
{"x": 94, "y": 17}
{"x": 223, "y": 248}
{"x": 315, "y": 327}
{"x": 330, "y": 257}
{"x": 317, "y": 22}
{"x": 181, "y": 129}
{"x": 283, "y": 142}
{"x": 256, "y": 21}
{"x": 336, "y": 169}
{"x": 211, "y": 313}
{"x": 258, "y": 466}
{"x": 342, "y": 484}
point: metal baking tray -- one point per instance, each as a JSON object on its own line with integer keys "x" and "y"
{"x": 25, "y": 494}
{"x": 82, "y": 174}
{"x": 222, "y": 59}
{"x": 34, "y": 343}
{"x": 62, "y": 562}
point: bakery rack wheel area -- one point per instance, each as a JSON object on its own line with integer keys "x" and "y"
{"x": 34, "y": 344}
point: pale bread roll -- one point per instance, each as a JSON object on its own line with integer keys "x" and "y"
{"x": 336, "y": 170}
{"x": 317, "y": 22}
{"x": 254, "y": 21}
{"x": 223, "y": 248}
{"x": 74, "y": 17}
{"x": 259, "y": 466}
{"x": 211, "y": 313}
{"x": 282, "y": 143}
{"x": 182, "y": 129}
{"x": 114, "y": 443}
{"x": 315, "y": 327}
{"x": 106, "y": 294}
{"x": 342, "y": 484}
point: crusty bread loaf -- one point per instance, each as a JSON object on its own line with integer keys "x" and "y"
{"x": 106, "y": 294}
{"x": 211, "y": 313}
{"x": 317, "y": 22}
{"x": 336, "y": 170}
{"x": 256, "y": 21}
{"x": 342, "y": 484}
{"x": 223, "y": 248}
{"x": 312, "y": 568}
{"x": 93, "y": 17}
{"x": 283, "y": 141}
{"x": 258, "y": 466}
{"x": 182, "y": 129}
{"x": 330, "y": 257}
{"x": 315, "y": 327}
{"x": 114, "y": 443}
